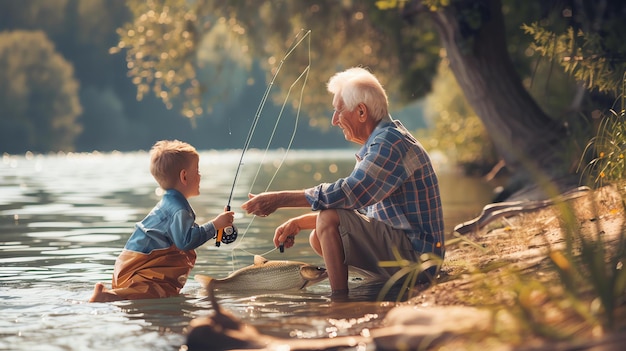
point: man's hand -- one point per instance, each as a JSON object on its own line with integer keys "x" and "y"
{"x": 261, "y": 205}
{"x": 286, "y": 232}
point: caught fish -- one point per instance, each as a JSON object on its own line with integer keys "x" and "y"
{"x": 266, "y": 275}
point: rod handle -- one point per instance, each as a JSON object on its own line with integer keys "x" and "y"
{"x": 220, "y": 232}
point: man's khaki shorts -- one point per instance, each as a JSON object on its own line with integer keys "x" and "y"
{"x": 367, "y": 241}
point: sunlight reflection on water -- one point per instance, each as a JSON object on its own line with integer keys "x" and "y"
{"x": 65, "y": 218}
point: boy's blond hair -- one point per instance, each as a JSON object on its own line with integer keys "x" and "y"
{"x": 168, "y": 158}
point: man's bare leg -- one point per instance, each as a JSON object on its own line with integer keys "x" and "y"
{"x": 101, "y": 294}
{"x": 327, "y": 233}
{"x": 315, "y": 243}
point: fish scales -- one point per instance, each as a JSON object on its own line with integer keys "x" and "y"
{"x": 272, "y": 275}
{"x": 266, "y": 275}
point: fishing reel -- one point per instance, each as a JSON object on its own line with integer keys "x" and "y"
{"x": 226, "y": 235}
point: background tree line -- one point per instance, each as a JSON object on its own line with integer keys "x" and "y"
{"x": 62, "y": 90}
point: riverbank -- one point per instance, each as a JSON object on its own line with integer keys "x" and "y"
{"x": 515, "y": 284}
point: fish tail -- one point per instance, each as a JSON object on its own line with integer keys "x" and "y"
{"x": 204, "y": 280}
{"x": 208, "y": 284}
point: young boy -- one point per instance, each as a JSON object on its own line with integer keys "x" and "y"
{"x": 160, "y": 253}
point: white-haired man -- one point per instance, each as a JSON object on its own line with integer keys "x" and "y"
{"x": 389, "y": 202}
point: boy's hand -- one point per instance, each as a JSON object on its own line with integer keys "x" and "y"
{"x": 224, "y": 219}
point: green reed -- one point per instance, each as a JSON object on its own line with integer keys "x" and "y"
{"x": 608, "y": 148}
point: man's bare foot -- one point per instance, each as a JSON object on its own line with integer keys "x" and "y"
{"x": 341, "y": 295}
{"x": 100, "y": 294}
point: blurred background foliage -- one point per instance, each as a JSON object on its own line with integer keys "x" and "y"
{"x": 119, "y": 74}
{"x": 71, "y": 59}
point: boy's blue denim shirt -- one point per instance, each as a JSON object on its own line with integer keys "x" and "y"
{"x": 171, "y": 222}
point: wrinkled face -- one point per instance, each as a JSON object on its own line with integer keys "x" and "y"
{"x": 346, "y": 120}
{"x": 312, "y": 274}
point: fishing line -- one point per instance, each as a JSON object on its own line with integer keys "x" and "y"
{"x": 229, "y": 234}
{"x": 303, "y": 76}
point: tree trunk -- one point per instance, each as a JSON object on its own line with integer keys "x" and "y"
{"x": 526, "y": 138}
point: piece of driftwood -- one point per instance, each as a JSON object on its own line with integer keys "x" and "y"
{"x": 494, "y": 211}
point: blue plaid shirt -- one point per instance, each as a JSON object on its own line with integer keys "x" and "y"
{"x": 395, "y": 182}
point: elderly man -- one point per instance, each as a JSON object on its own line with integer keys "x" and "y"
{"x": 389, "y": 202}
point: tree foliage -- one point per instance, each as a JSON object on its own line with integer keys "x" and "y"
{"x": 83, "y": 32}
{"x": 587, "y": 42}
{"x": 165, "y": 42}
{"x": 38, "y": 93}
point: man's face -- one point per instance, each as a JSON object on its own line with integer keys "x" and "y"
{"x": 346, "y": 120}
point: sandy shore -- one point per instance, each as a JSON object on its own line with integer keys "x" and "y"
{"x": 508, "y": 269}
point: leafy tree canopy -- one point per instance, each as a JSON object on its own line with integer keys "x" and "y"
{"x": 167, "y": 38}
{"x": 587, "y": 41}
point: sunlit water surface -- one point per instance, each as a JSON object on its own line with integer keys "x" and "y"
{"x": 65, "y": 218}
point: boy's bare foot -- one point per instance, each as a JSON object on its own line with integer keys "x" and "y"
{"x": 100, "y": 294}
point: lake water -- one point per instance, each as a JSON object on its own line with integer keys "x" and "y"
{"x": 64, "y": 219}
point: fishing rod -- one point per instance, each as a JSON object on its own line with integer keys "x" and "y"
{"x": 229, "y": 234}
